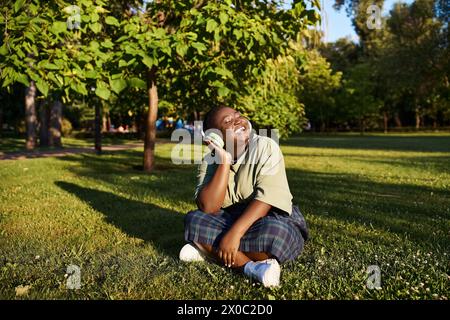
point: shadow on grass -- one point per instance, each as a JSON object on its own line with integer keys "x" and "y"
{"x": 162, "y": 227}
{"x": 145, "y": 219}
{"x": 418, "y": 212}
{"x": 123, "y": 171}
{"x": 436, "y": 164}
{"x": 383, "y": 143}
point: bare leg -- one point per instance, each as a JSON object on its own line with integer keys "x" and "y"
{"x": 241, "y": 257}
{"x": 258, "y": 256}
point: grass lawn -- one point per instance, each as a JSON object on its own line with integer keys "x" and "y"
{"x": 11, "y": 143}
{"x": 375, "y": 200}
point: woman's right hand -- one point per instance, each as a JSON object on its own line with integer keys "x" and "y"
{"x": 223, "y": 155}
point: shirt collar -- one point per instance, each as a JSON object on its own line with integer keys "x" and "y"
{"x": 237, "y": 163}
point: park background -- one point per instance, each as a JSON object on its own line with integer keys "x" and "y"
{"x": 363, "y": 119}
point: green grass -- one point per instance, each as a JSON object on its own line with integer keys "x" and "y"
{"x": 11, "y": 143}
{"x": 373, "y": 200}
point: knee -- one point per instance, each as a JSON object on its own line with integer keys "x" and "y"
{"x": 193, "y": 216}
{"x": 280, "y": 230}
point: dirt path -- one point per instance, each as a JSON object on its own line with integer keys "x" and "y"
{"x": 20, "y": 155}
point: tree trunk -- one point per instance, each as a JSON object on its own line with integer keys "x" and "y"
{"x": 98, "y": 128}
{"x": 362, "y": 126}
{"x": 398, "y": 121}
{"x": 417, "y": 113}
{"x": 104, "y": 124}
{"x": 55, "y": 124}
{"x": 1, "y": 120}
{"x": 43, "y": 130}
{"x": 150, "y": 125}
{"x": 30, "y": 116}
{"x": 385, "y": 121}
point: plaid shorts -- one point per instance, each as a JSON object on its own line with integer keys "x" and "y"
{"x": 278, "y": 233}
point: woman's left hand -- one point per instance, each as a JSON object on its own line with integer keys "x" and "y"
{"x": 228, "y": 247}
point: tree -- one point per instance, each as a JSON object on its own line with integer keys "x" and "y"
{"x": 30, "y": 115}
{"x": 342, "y": 54}
{"x": 367, "y": 23}
{"x": 358, "y": 95}
{"x": 42, "y": 43}
{"x": 205, "y": 49}
{"x": 417, "y": 45}
{"x": 319, "y": 85}
{"x": 272, "y": 100}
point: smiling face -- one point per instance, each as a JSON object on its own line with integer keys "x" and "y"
{"x": 233, "y": 125}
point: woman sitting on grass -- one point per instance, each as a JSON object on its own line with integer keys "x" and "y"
{"x": 246, "y": 219}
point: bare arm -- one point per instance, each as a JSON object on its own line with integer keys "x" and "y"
{"x": 255, "y": 210}
{"x": 229, "y": 244}
{"x": 212, "y": 195}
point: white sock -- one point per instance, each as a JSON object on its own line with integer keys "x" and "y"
{"x": 190, "y": 253}
{"x": 267, "y": 272}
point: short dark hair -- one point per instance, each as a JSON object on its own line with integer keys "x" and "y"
{"x": 209, "y": 117}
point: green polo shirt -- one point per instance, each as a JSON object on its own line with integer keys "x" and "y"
{"x": 259, "y": 173}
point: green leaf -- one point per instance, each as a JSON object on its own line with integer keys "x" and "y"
{"x": 103, "y": 92}
{"x": 122, "y": 63}
{"x": 4, "y": 50}
{"x": 95, "y": 27}
{"x": 6, "y": 81}
{"x": 211, "y": 25}
{"x": 42, "y": 87}
{"x": 94, "y": 17}
{"x": 94, "y": 45}
{"x": 49, "y": 66}
{"x": 223, "y": 91}
{"x": 91, "y": 74}
{"x": 159, "y": 33}
{"x": 118, "y": 85}
{"x": 58, "y": 27}
{"x": 30, "y": 36}
{"x": 148, "y": 61}
{"x": 167, "y": 50}
{"x": 217, "y": 84}
{"x": 217, "y": 35}
{"x": 137, "y": 83}
{"x": 199, "y": 46}
{"x": 182, "y": 49}
{"x": 81, "y": 88}
{"x": 18, "y": 5}
{"x": 224, "y": 72}
{"x": 107, "y": 44}
{"x": 237, "y": 33}
{"x": 22, "y": 78}
{"x": 112, "y": 21}
{"x": 223, "y": 18}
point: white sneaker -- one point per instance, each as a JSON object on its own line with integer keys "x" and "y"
{"x": 190, "y": 253}
{"x": 267, "y": 272}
